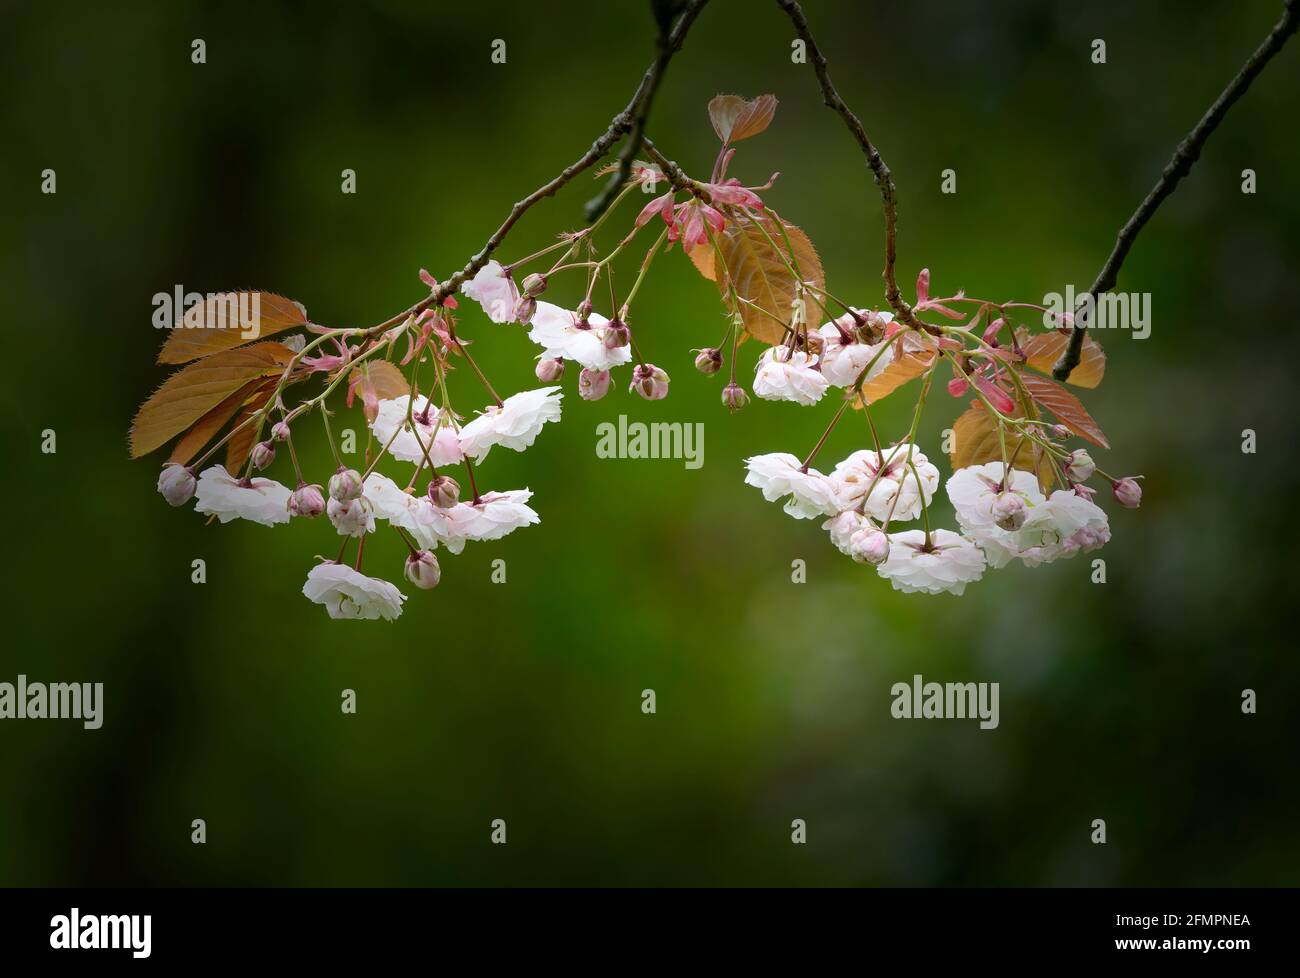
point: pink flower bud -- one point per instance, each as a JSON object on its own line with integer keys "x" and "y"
{"x": 650, "y": 382}
{"x": 617, "y": 335}
{"x": 1080, "y": 466}
{"x": 308, "y": 501}
{"x": 734, "y": 397}
{"x": 1009, "y": 511}
{"x": 525, "y": 308}
{"x": 923, "y": 287}
{"x": 593, "y": 384}
{"x": 444, "y": 491}
{"x": 958, "y": 386}
{"x": 1127, "y": 492}
{"x": 422, "y": 569}
{"x": 1061, "y": 431}
{"x": 869, "y": 546}
{"x": 708, "y": 360}
{"x": 345, "y": 484}
{"x": 534, "y": 285}
{"x": 991, "y": 331}
{"x": 280, "y": 432}
{"x": 263, "y": 455}
{"x": 176, "y": 483}
{"x": 1085, "y": 492}
{"x": 548, "y": 371}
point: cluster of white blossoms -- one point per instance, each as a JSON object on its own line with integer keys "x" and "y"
{"x": 870, "y": 491}
{"x": 584, "y": 337}
{"x": 412, "y": 431}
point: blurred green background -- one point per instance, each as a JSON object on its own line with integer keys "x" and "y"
{"x": 522, "y": 701}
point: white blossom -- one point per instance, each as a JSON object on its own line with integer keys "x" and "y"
{"x": 842, "y": 363}
{"x": 353, "y": 518}
{"x": 434, "y": 428}
{"x": 260, "y": 500}
{"x": 515, "y": 424}
{"x": 494, "y": 292}
{"x": 872, "y": 481}
{"x": 556, "y": 330}
{"x": 347, "y": 593}
{"x": 949, "y": 563}
{"x": 494, "y": 515}
{"x": 785, "y": 376}
{"x": 781, "y": 474}
{"x": 415, "y": 514}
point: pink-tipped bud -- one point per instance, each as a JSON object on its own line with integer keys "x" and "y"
{"x": 708, "y": 360}
{"x": 923, "y": 286}
{"x": 1080, "y": 466}
{"x": 525, "y": 308}
{"x": 176, "y": 483}
{"x": 422, "y": 569}
{"x": 650, "y": 382}
{"x": 1061, "y": 432}
{"x": 345, "y": 484}
{"x": 444, "y": 491}
{"x": 869, "y": 546}
{"x": 734, "y": 397}
{"x": 549, "y": 370}
{"x": 263, "y": 455}
{"x": 534, "y": 285}
{"x": 280, "y": 432}
{"x": 617, "y": 335}
{"x": 992, "y": 330}
{"x": 1009, "y": 511}
{"x": 1127, "y": 492}
{"x": 308, "y": 501}
{"x": 1085, "y": 492}
{"x": 593, "y": 384}
{"x": 958, "y": 386}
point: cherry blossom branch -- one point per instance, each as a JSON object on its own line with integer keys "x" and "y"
{"x": 879, "y": 168}
{"x": 1178, "y": 167}
{"x": 638, "y": 110}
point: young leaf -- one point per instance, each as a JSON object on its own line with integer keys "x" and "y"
{"x": 207, "y": 426}
{"x": 761, "y": 276}
{"x": 1042, "y": 350}
{"x": 241, "y": 444}
{"x": 215, "y": 324}
{"x": 735, "y": 119}
{"x": 895, "y": 375}
{"x": 975, "y": 441}
{"x": 387, "y": 381}
{"x": 1067, "y": 408}
{"x": 193, "y": 391}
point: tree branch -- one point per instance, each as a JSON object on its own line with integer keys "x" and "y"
{"x": 884, "y": 180}
{"x": 638, "y": 110}
{"x": 619, "y": 125}
{"x": 1184, "y": 156}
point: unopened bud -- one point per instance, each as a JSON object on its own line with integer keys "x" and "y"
{"x": 345, "y": 484}
{"x": 263, "y": 455}
{"x": 1009, "y": 511}
{"x": 549, "y": 370}
{"x": 422, "y": 569}
{"x": 534, "y": 285}
{"x": 1127, "y": 492}
{"x": 280, "y": 432}
{"x": 734, "y": 397}
{"x": 1080, "y": 466}
{"x": 444, "y": 491}
{"x": 1060, "y": 431}
{"x": 525, "y": 308}
{"x": 650, "y": 382}
{"x": 869, "y": 546}
{"x": 176, "y": 483}
{"x": 593, "y": 384}
{"x": 617, "y": 335}
{"x": 308, "y": 501}
{"x": 708, "y": 360}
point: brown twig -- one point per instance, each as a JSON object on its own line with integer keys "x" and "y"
{"x": 619, "y": 126}
{"x": 638, "y": 110}
{"x": 880, "y": 169}
{"x": 1178, "y": 167}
